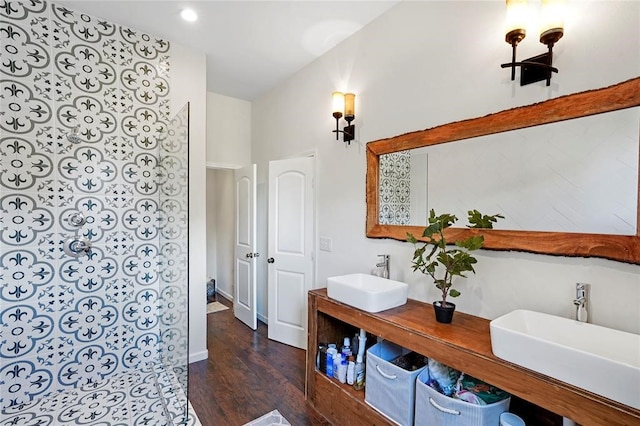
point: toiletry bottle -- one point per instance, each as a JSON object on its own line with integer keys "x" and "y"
{"x": 332, "y": 352}
{"x": 346, "y": 347}
{"x": 354, "y": 345}
{"x": 359, "y": 367}
{"x": 362, "y": 342}
{"x": 351, "y": 370}
{"x": 321, "y": 359}
{"x": 337, "y": 360}
{"x": 342, "y": 370}
{"x": 358, "y": 382}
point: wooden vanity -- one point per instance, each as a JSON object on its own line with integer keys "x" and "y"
{"x": 464, "y": 345}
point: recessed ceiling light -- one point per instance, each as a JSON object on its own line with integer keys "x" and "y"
{"x": 189, "y": 15}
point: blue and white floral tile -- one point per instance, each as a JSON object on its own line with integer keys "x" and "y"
{"x": 23, "y": 331}
{"x": 83, "y": 71}
{"x": 27, "y": 382}
{"x": 144, "y": 127}
{"x": 143, "y": 267}
{"x": 142, "y": 219}
{"x": 118, "y": 292}
{"x": 22, "y": 110}
{"x": 144, "y": 350}
{"x": 26, "y": 53}
{"x": 99, "y": 218}
{"x": 54, "y": 353}
{"x": 25, "y": 273}
{"x": 24, "y": 167}
{"x": 142, "y": 174}
{"x": 22, "y": 218}
{"x": 89, "y": 272}
{"x": 127, "y": 399}
{"x": 87, "y": 170}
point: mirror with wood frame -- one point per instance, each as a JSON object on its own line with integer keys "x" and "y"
{"x": 624, "y": 248}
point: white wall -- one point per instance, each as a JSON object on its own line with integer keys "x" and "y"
{"x": 228, "y": 131}
{"x": 188, "y": 84}
{"x": 428, "y": 63}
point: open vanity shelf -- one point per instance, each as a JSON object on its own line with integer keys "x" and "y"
{"x": 464, "y": 345}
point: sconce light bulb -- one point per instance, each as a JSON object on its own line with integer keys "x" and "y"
{"x": 516, "y": 22}
{"x": 552, "y": 21}
{"x": 349, "y": 106}
{"x": 338, "y": 104}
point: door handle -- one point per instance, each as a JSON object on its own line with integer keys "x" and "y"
{"x": 271, "y": 260}
{"x": 249, "y": 255}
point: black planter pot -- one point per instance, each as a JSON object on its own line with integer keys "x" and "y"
{"x": 444, "y": 314}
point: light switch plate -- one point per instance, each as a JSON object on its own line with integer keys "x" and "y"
{"x": 325, "y": 244}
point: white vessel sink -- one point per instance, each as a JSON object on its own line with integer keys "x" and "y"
{"x": 601, "y": 360}
{"x": 367, "y": 292}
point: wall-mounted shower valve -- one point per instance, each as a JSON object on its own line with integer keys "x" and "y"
{"x": 74, "y": 135}
{"x": 76, "y": 219}
{"x": 76, "y": 246}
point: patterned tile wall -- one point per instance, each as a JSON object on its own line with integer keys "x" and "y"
{"x": 395, "y": 188}
{"x": 64, "y": 321}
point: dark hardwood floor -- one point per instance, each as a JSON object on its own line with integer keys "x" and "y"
{"x": 248, "y": 375}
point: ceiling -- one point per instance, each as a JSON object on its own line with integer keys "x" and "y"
{"x": 251, "y": 46}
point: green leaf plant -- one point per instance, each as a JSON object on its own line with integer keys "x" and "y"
{"x": 431, "y": 256}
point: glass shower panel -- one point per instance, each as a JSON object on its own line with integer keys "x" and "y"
{"x": 174, "y": 332}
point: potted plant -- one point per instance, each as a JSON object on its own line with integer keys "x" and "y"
{"x": 442, "y": 263}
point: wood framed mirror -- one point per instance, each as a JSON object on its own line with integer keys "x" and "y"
{"x": 625, "y": 248}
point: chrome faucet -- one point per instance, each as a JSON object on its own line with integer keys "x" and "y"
{"x": 582, "y": 302}
{"x": 384, "y": 265}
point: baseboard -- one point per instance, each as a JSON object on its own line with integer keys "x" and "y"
{"x": 262, "y": 318}
{"x": 199, "y": 356}
{"x": 225, "y": 294}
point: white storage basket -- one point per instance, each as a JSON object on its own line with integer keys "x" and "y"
{"x": 436, "y": 409}
{"x": 388, "y": 388}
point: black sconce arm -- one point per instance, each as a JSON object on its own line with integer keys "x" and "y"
{"x": 529, "y": 63}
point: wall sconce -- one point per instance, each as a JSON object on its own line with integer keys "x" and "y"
{"x": 344, "y": 102}
{"x": 539, "y": 67}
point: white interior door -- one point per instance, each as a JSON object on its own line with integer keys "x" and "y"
{"x": 291, "y": 245}
{"x": 244, "y": 298}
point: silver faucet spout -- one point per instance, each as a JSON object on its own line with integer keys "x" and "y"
{"x": 384, "y": 265}
{"x": 581, "y": 302}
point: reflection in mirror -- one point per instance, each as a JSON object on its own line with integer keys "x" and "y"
{"x": 574, "y": 176}
{"x": 606, "y": 189}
